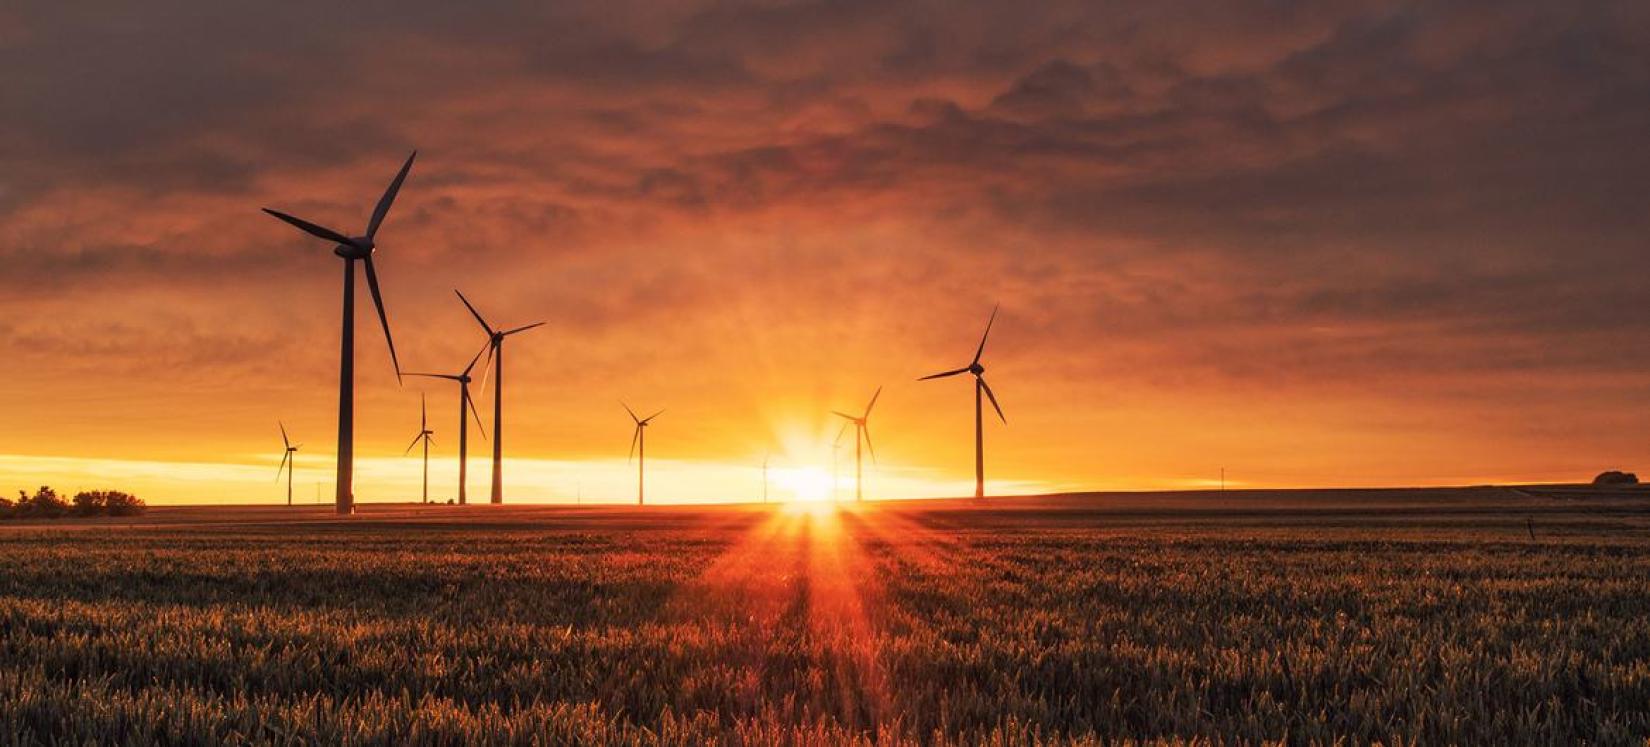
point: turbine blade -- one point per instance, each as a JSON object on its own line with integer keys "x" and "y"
{"x": 487, "y": 366}
{"x": 423, "y": 413}
{"x": 873, "y": 402}
{"x": 654, "y": 415}
{"x": 634, "y": 435}
{"x": 865, "y": 430}
{"x": 993, "y": 399}
{"x": 474, "y": 313}
{"x": 285, "y": 456}
{"x": 449, "y": 377}
{"x": 477, "y": 413}
{"x": 988, "y": 323}
{"x": 284, "y": 441}
{"x": 840, "y": 433}
{"x": 410, "y": 446}
{"x": 476, "y": 358}
{"x": 524, "y": 328}
{"x": 312, "y": 229}
{"x": 632, "y": 412}
{"x": 388, "y": 199}
{"x": 841, "y": 414}
{"x": 944, "y": 374}
{"x": 378, "y": 300}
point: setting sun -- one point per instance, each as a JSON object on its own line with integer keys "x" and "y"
{"x": 804, "y": 484}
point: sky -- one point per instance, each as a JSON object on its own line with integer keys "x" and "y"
{"x": 1331, "y": 243}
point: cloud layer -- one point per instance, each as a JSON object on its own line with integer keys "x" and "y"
{"x": 1345, "y": 241}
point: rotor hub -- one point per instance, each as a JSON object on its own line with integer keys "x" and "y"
{"x": 976, "y": 369}
{"x": 359, "y": 248}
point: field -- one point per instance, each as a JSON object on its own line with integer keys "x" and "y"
{"x": 1426, "y": 616}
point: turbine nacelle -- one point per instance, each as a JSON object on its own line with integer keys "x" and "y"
{"x": 976, "y": 369}
{"x": 359, "y": 247}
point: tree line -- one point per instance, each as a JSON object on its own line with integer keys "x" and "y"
{"x": 47, "y": 504}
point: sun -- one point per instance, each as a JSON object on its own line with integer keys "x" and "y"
{"x": 805, "y": 484}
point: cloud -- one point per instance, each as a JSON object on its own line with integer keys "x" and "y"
{"x": 1169, "y": 199}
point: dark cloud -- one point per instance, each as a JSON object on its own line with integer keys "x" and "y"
{"x": 1303, "y": 193}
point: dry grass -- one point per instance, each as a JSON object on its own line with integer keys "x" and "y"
{"x": 1395, "y": 617}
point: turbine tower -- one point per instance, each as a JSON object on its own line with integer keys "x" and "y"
{"x": 351, "y": 250}
{"x": 862, "y": 431}
{"x": 978, "y": 370}
{"x": 495, "y": 359}
{"x": 464, "y": 400}
{"x": 289, "y": 460}
{"x": 638, "y": 451}
{"x": 424, "y": 434}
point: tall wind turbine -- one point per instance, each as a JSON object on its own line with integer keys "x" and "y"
{"x": 464, "y": 401}
{"x": 289, "y": 460}
{"x": 424, "y": 434}
{"x": 638, "y": 450}
{"x": 350, "y": 250}
{"x": 978, "y": 370}
{"x": 495, "y": 358}
{"x": 862, "y": 432}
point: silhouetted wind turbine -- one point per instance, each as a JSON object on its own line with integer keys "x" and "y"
{"x": 862, "y": 431}
{"x": 464, "y": 401}
{"x": 289, "y": 460}
{"x": 352, "y": 249}
{"x": 495, "y": 359}
{"x": 424, "y": 434}
{"x": 638, "y": 450}
{"x": 978, "y": 370}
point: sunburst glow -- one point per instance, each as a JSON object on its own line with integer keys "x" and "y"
{"x": 805, "y": 484}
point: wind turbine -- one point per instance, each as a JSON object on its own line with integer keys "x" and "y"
{"x": 350, "y": 250}
{"x": 424, "y": 434}
{"x": 289, "y": 461}
{"x": 463, "y": 379}
{"x": 862, "y": 431}
{"x": 978, "y": 370}
{"x": 495, "y": 358}
{"x": 638, "y": 450}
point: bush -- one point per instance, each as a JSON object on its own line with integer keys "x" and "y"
{"x": 6, "y": 507}
{"x": 1616, "y": 477}
{"x": 117, "y": 503}
{"x": 88, "y": 503}
{"x": 44, "y": 504}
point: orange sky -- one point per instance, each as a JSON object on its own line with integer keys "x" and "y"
{"x": 1345, "y": 244}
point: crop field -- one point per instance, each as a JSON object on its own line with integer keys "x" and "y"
{"x": 1427, "y": 616}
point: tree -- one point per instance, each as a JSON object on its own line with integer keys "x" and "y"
{"x": 1616, "y": 477}
{"x": 89, "y": 503}
{"x": 117, "y": 503}
{"x": 45, "y": 503}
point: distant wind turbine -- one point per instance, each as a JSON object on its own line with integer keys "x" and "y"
{"x": 765, "y": 477}
{"x": 638, "y": 451}
{"x": 464, "y": 402}
{"x": 289, "y": 461}
{"x": 978, "y": 370}
{"x": 424, "y": 434}
{"x": 351, "y": 249}
{"x": 862, "y": 432}
{"x": 495, "y": 359}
